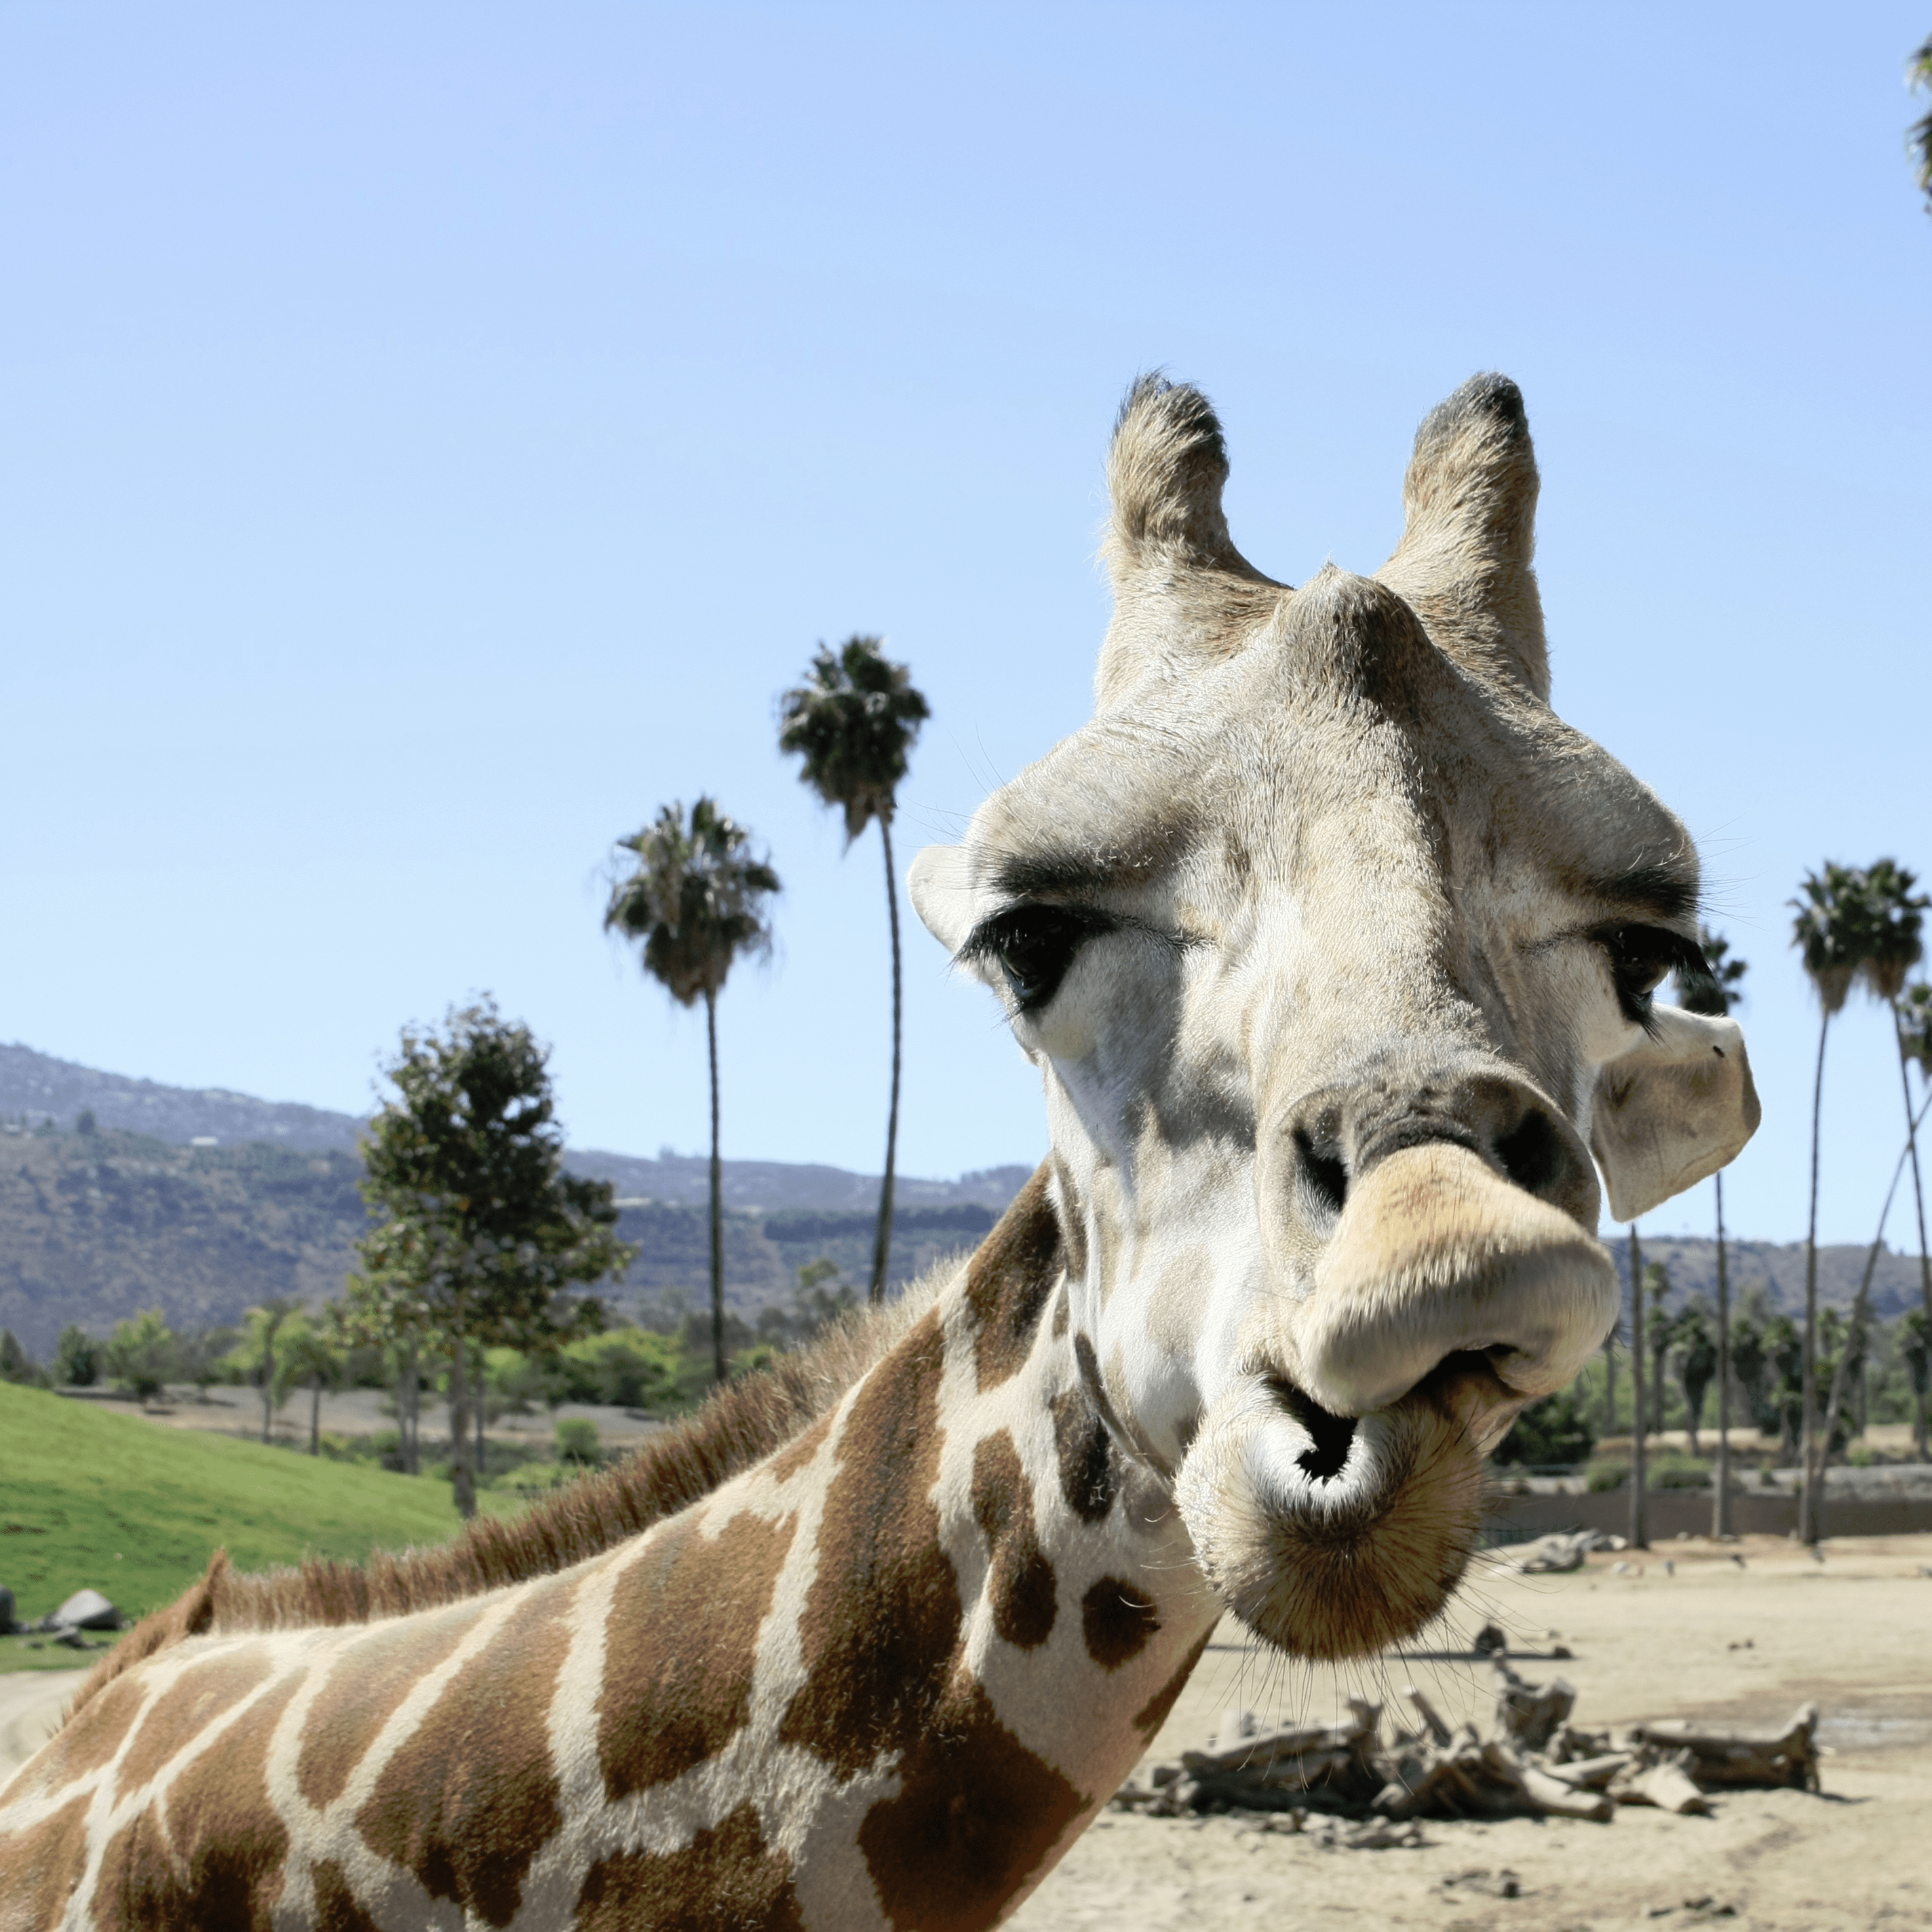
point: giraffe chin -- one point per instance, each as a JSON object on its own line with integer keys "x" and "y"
{"x": 1330, "y": 1538}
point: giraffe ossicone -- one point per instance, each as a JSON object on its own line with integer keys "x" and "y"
{"x": 1336, "y": 951}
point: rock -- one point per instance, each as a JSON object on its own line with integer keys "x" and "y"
{"x": 1489, "y": 1641}
{"x": 86, "y": 1609}
{"x": 7, "y": 1626}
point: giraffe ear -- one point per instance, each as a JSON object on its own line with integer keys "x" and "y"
{"x": 937, "y": 885}
{"x": 1469, "y": 505}
{"x": 1673, "y": 1110}
{"x": 1168, "y": 550}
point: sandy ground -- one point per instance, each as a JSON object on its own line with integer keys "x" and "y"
{"x": 1853, "y": 1633}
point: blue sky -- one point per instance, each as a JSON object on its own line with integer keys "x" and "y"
{"x": 437, "y": 433}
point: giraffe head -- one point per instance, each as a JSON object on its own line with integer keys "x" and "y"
{"x": 1336, "y": 950}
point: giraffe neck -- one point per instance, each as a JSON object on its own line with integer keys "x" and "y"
{"x": 981, "y": 1611}
{"x": 882, "y": 1679}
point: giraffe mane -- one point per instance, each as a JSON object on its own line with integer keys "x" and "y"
{"x": 736, "y": 1429}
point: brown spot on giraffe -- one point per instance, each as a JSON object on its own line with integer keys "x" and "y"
{"x": 683, "y": 1635}
{"x": 882, "y": 1617}
{"x": 787, "y": 1463}
{"x": 726, "y": 1880}
{"x": 89, "y": 1739}
{"x": 198, "y": 1697}
{"x": 1021, "y": 1584}
{"x": 216, "y": 1860}
{"x": 336, "y": 1910}
{"x": 43, "y": 1864}
{"x": 1009, "y": 1280}
{"x": 1085, "y": 1455}
{"x": 471, "y": 1798}
{"x": 365, "y": 1685}
{"x": 1072, "y": 1232}
{"x": 976, "y": 1814}
{"x": 1153, "y": 1714}
{"x": 1116, "y": 1621}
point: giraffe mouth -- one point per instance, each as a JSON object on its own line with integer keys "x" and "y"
{"x": 1332, "y": 1536}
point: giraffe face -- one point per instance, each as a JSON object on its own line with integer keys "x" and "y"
{"x": 1337, "y": 950}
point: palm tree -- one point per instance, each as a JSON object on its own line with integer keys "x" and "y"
{"x": 852, "y": 723}
{"x": 1915, "y": 1043}
{"x": 1896, "y": 944}
{"x": 1919, "y": 137}
{"x": 1831, "y": 931}
{"x": 1714, "y": 992}
{"x": 1640, "y": 1519}
{"x": 694, "y": 898}
{"x": 1862, "y": 1301}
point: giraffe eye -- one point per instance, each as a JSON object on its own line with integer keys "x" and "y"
{"x": 1033, "y": 945}
{"x": 1642, "y": 958}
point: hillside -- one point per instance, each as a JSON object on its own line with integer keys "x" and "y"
{"x": 37, "y": 1090}
{"x": 95, "y": 1226}
{"x": 112, "y": 1502}
{"x": 205, "y": 1202}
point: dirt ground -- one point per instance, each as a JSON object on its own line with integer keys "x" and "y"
{"x": 1712, "y": 1640}
{"x": 1854, "y": 1632}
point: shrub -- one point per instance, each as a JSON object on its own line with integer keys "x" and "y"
{"x": 577, "y": 1440}
{"x": 1677, "y": 1472}
{"x": 143, "y": 1356}
{"x": 77, "y": 1358}
{"x": 1605, "y": 1477}
{"x": 1549, "y": 1434}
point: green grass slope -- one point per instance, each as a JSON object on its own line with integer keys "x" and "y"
{"x": 135, "y": 1510}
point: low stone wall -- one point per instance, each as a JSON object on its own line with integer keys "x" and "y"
{"x": 1753, "y": 1513}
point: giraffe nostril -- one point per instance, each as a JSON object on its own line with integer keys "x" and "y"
{"x": 1531, "y": 1154}
{"x": 1329, "y": 1436}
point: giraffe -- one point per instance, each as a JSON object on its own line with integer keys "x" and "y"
{"x": 1336, "y": 952}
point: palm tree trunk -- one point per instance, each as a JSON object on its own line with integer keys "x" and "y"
{"x": 461, "y": 1480}
{"x": 482, "y": 1453}
{"x": 1918, "y": 1191}
{"x": 1639, "y": 1513}
{"x": 1862, "y": 1301}
{"x": 406, "y": 1392}
{"x": 1810, "y": 1502}
{"x": 267, "y": 1384}
{"x": 1721, "y": 1509}
{"x": 717, "y": 1198}
{"x": 882, "y": 1241}
{"x": 1610, "y": 1382}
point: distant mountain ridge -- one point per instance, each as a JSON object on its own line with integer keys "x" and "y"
{"x": 204, "y": 1202}
{"x": 38, "y": 1089}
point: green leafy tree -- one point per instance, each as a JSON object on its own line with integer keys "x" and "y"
{"x": 1714, "y": 992}
{"x": 1696, "y": 1348}
{"x": 1915, "y": 1344}
{"x": 311, "y": 1357}
{"x": 1749, "y": 1363}
{"x": 481, "y": 1235}
{"x": 1919, "y": 140}
{"x": 15, "y": 1364}
{"x": 1915, "y": 1044}
{"x": 1552, "y": 1433}
{"x": 256, "y": 1357}
{"x": 142, "y": 1354}
{"x": 853, "y": 722}
{"x": 77, "y": 1358}
{"x": 1833, "y": 927}
{"x": 1662, "y": 1327}
{"x": 693, "y": 898}
{"x": 200, "y": 1352}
